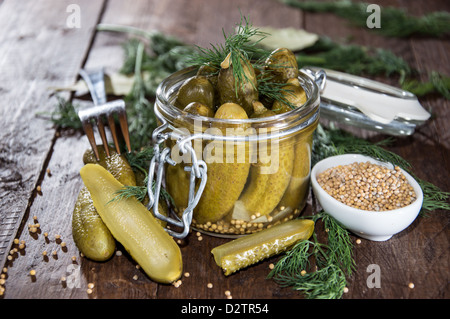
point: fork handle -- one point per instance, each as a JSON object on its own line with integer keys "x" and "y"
{"x": 96, "y": 85}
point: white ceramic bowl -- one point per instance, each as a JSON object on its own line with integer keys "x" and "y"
{"x": 372, "y": 225}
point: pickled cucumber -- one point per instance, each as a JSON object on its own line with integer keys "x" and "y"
{"x": 196, "y": 89}
{"x": 248, "y": 250}
{"x": 299, "y": 183}
{"x": 268, "y": 178}
{"x": 90, "y": 234}
{"x": 226, "y": 178}
{"x": 282, "y": 65}
{"x": 133, "y": 226}
{"x": 177, "y": 185}
{"x": 199, "y": 109}
{"x": 246, "y": 91}
{"x": 294, "y": 94}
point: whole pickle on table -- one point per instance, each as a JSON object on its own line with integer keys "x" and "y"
{"x": 90, "y": 234}
{"x": 227, "y": 174}
{"x": 268, "y": 178}
{"x": 293, "y": 93}
{"x": 282, "y": 65}
{"x": 133, "y": 226}
{"x": 246, "y": 91}
{"x": 195, "y": 89}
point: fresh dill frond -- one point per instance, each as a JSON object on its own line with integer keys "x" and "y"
{"x": 140, "y": 192}
{"x": 238, "y": 48}
{"x": 433, "y": 198}
{"x": 140, "y": 161}
{"x": 353, "y": 59}
{"x": 396, "y": 22}
{"x": 437, "y": 83}
{"x": 340, "y": 244}
{"x": 65, "y": 115}
{"x": 316, "y": 269}
{"x": 273, "y": 91}
{"x": 127, "y": 191}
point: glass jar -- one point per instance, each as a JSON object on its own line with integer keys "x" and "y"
{"x": 257, "y": 169}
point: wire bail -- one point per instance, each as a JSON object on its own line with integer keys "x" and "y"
{"x": 198, "y": 170}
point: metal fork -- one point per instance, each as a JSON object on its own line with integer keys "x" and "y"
{"x": 95, "y": 82}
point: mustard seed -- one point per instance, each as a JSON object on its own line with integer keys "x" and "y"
{"x": 367, "y": 186}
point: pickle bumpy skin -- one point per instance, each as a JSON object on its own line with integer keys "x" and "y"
{"x": 226, "y": 180}
{"x": 133, "y": 226}
{"x": 268, "y": 178}
{"x": 250, "y": 249}
{"x": 299, "y": 184}
{"x": 90, "y": 234}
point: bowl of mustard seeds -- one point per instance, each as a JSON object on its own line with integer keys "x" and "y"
{"x": 375, "y": 200}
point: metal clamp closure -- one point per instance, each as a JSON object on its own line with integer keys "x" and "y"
{"x": 198, "y": 170}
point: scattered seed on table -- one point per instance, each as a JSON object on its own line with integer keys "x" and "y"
{"x": 209, "y": 285}
{"x": 411, "y": 285}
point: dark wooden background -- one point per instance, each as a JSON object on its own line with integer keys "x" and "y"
{"x": 39, "y": 51}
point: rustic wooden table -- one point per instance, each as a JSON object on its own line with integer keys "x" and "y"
{"x": 39, "y": 50}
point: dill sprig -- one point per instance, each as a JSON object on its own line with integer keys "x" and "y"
{"x": 318, "y": 269}
{"x": 437, "y": 83}
{"x": 238, "y": 47}
{"x": 139, "y": 107}
{"x": 64, "y": 116}
{"x": 353, "y": 59}
{"x": 396, "y": 22}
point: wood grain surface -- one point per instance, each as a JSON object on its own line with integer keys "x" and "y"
{"x": 38, "y": 50}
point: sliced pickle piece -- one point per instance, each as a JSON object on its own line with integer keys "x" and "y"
{"x": 250, "y": 249}
{"x": 133, "y": 226}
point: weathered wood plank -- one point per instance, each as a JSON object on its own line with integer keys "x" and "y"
{"x": 38, "y": 50}
{"x": 418, "y": 255}
{"x": 407, "y": 256}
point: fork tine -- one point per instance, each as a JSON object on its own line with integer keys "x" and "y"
{"x": 124, "y": 127}
{"x": 112, "y": 128}
{"x": 89, "y": 131}
{"x": 101, "y": 130}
